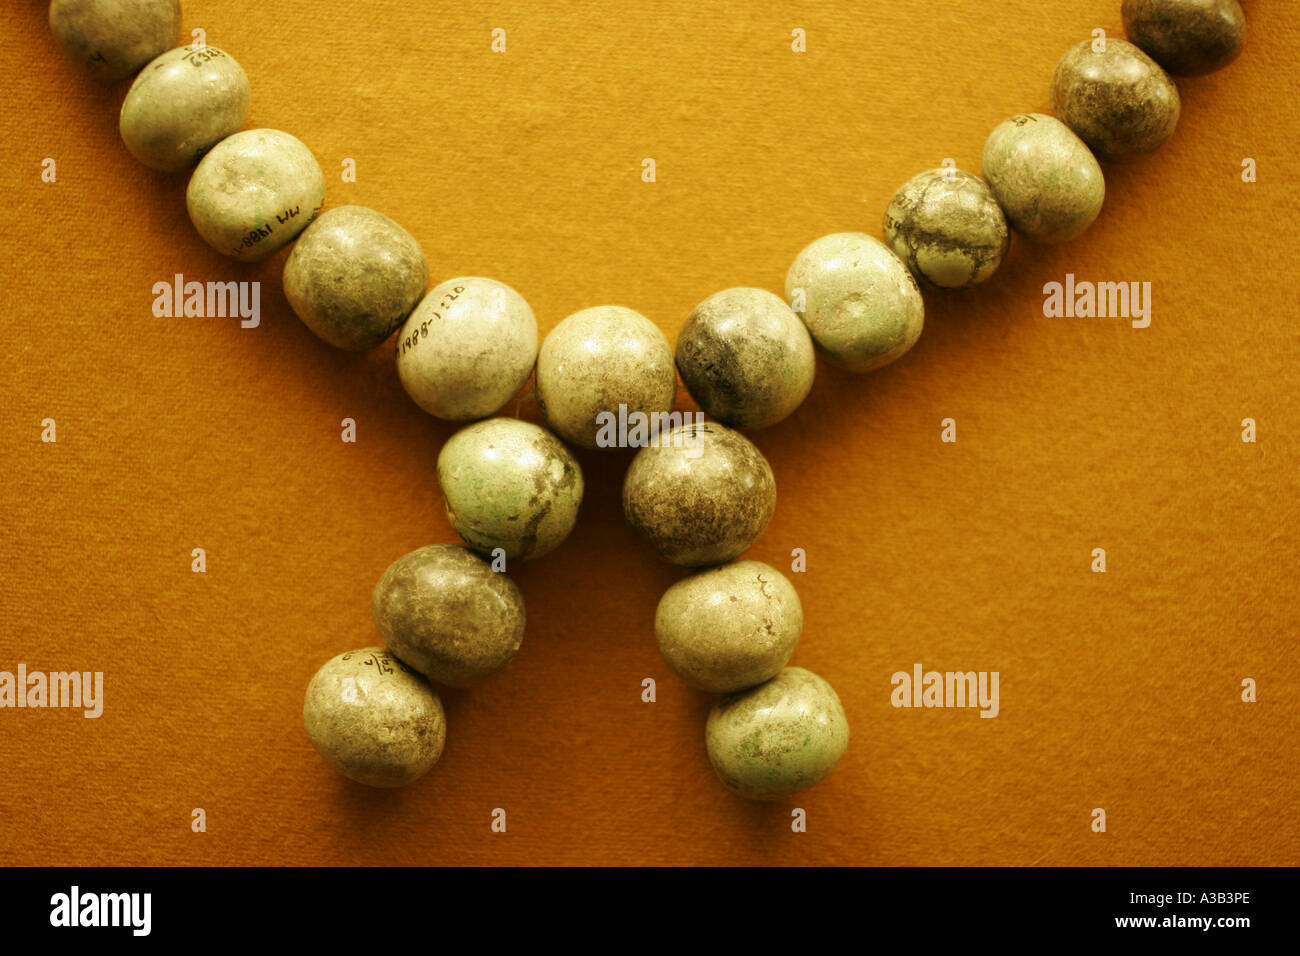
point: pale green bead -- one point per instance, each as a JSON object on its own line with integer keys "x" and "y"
{"x": 467, "y": 349}
{"x": 730, "y": 627}
{"x": 1046, "y": 179}
{"x": 598, "y": 359}
{"x": 947, "y": 227}
{"x": 511, "y": 485}
{"x": 254, "y": 192}
{"x": 861, "y": 304}
{"x": 114, "y": 38}
{"x": 374, "y": 719}
{"x": 778, "y": 738}
{"x": 181, "y": 105}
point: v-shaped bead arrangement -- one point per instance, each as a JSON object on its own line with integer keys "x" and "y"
{"x": 700, "y": 492}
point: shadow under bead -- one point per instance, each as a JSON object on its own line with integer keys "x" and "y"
{"x": 1187, "y": 37}
{"x": 1118, "y": 101}
{"x": 443, "y": 610}
{"x": 702, "y": 495}
{"x": 947, "y": 228}
{"x": 354, "y": 276}
{"x": 115, "y": 38}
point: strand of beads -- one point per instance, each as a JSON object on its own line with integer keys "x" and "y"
{"x": 702, "y": 493}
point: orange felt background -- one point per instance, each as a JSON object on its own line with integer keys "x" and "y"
{"x": 1118, "y": 691}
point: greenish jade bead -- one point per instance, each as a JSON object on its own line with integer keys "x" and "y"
{"x": 511, "y": 485}
{"x": 373, "y": 719}
{"x": 860, "y": 303}
{"x": 598, "y": 359}
{"x": 181, "y": 105}
{"x": 779, "y": 738}
{"x": 1048, "y": 182}
{"x": 701, "y": 494}
{"x": 467, "y": 349}
{"x": 254, "y": 192}
{"x": 947, "y": 227}
{"x": 114, "y": 38}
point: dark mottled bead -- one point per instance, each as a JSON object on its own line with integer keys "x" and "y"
{"x": 354, "y": 276}
{"x": 702, "y": 495}
{"x": 746, "y": 357}
{"x": 1187, "y": 37}
{"x": 444, "y": 611}
{"x": 1117, "y": 100}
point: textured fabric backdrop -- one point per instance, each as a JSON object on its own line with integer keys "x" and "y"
{"x": 1119, "y": 690}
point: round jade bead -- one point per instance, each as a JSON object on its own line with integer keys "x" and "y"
{"x": 1187, "y": 37}
{"x": 467, "y": 349}
{"x": 730, "y": 627}
{"x": 597, "y": 360}
{"x": 181, "y": 105}
{"x": 778, "y": 738}
{"x": 1049, "y": 184}
{"x": 510, "y": 485}
{"x": 354, "y": 276}
{"x": 445, "y": 612}
{"x": 701, "y": 495}
{"x": 947, "y": 227}
{"x": 861, "y": 304}
{"x": 114, "y": 38}
{"x": 254, "y": 192}
{"x": 374, "y": 719}
{"x": 746, "y": 357}
{"x": 1119, "y": 101}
